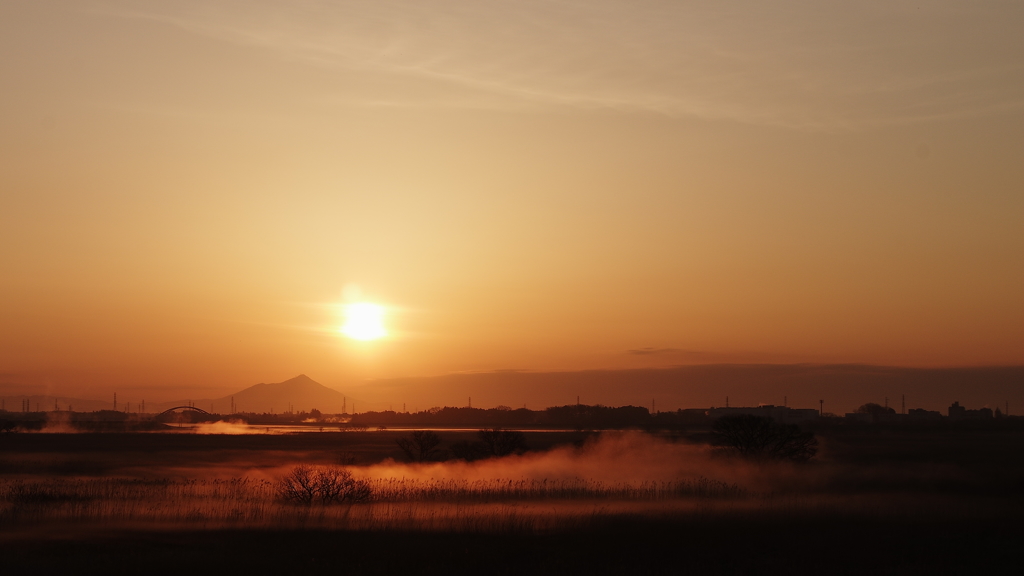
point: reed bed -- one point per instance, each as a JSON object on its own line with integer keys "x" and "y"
{"x": 499, "y": 505}
{"x": 249, "y": 492}
{"x": 405, "y": 490}
{"x": 115, "y": 499}
{"x": 435, "y": 504}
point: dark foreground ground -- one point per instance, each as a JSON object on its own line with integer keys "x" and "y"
{"x": 955, "y": 467}
{"x": 714, "y": 546}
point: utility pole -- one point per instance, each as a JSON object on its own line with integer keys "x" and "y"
{"x": 821, "y": 408}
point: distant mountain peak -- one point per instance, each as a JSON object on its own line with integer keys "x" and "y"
{"x": 299, "y": 381}
{"x": 299, "y": 393}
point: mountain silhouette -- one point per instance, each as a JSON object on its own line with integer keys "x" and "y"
{"x": 843, "y": 387}
{"x": 301, "y": 393}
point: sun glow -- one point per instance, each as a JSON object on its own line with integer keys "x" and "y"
{"x": 364, "y": 321}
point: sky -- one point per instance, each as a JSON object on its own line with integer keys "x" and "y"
{"x": 191, "y": 190}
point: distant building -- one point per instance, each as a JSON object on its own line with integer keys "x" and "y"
{"x": 958, "y": 412}
{"x": 783, "y": 414}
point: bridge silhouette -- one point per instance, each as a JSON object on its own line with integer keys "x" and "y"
{"x": 193, "y": 408}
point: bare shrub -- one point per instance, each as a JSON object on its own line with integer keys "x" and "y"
{"x": 322, "y": 485}
{"x": 330, "y": 484}
{"x": 420, "y": 446}
{"x": 760, "y": 438}
{"x": 299, "y": 486}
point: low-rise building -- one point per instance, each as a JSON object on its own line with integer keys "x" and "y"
{"x": 922, "y": 415}
{"x": 958, "y": 412}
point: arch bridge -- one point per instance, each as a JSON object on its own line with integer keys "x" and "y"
{"x": 192, "y": 408}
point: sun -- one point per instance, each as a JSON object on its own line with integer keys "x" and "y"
{"x": 364, "y": 321}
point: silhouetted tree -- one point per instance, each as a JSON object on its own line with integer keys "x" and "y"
{"x": 322, "y": 484}
{"x": 761, "y": 438}
{"x": 500, "y": 442}
{"x": 335, "y": 485}
{"x": 469, "y": 450}
{"x": 420, "y": 446}
{"x": 875, "y": 409}
{"x": 299, "y": 486}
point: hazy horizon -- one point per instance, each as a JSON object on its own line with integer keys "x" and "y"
{"x": 843, "y": 388}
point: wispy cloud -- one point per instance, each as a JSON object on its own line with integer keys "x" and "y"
{"x": 655, "y": 351}
{"x": 801, "y": 64}
{"x": 679, "y": 355}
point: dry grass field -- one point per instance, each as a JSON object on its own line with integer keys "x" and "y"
{"x": 874, "y": 501}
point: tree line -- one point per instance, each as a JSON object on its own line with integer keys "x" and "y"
{"x": 573, "y": 416}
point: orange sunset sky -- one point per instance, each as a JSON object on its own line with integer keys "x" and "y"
{"x": 191, "y": 190}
